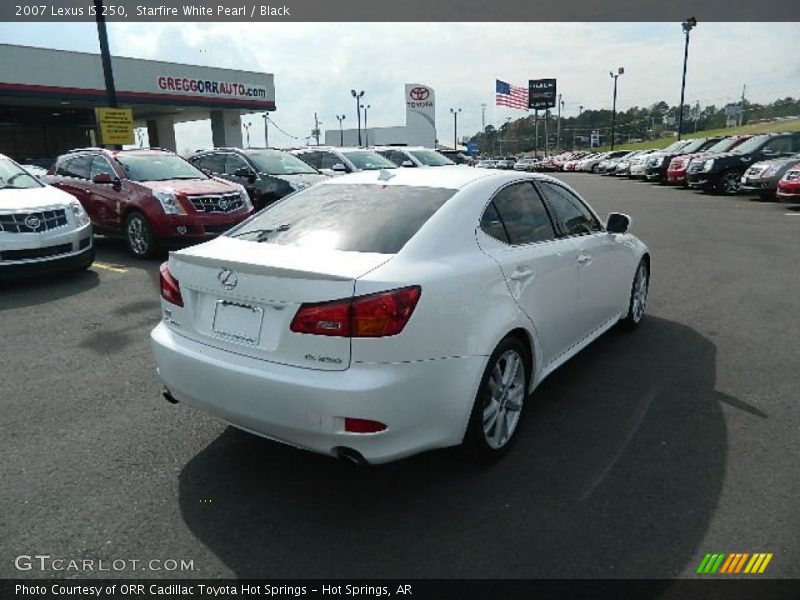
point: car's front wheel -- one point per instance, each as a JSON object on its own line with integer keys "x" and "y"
{"x": 499, "y": 402}
{"x": 729, "y": 183}
{"x": 139, "y": 236}
{"x": 638, "y": 299}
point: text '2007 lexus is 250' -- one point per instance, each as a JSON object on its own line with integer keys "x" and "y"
{"x": 381, "y": 314}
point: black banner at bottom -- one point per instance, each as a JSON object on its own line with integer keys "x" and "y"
{"x": 419, "y": 589}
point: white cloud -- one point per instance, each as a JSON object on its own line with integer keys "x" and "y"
{"x": 316, "y": 65}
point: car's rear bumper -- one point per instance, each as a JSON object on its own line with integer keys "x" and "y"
{"x": 424, "y": 404}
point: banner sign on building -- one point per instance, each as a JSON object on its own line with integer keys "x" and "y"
{"x": 115, "y": 126}
{"x": 541, "y": 94}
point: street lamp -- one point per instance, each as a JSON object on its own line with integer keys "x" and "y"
{"x": 341, "y": 131}
{"x": 366, "y": 131}
{"x": 614, "y": 76}
{"x": 455, "y": 112}
{"x": 687, "y": 26}
{"x": 247, "y": 131}
{"x": 358, "y": 96}
{"x": 266, "y": 129}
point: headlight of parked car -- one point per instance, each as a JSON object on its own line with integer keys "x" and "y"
{"x": 771, "y": 171}
{"x": 708, "y": 165}
{"x": 169, "y": 202}
{"x": 81, "y": 218}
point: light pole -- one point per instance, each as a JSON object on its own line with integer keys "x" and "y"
{"x": 366, "y": 131}
{"x": 454, "y": 112}
{"x": 614, "y": 76}
{"x": 247, "y": 132}
{"x": 558, "y": 127}
{"x": 266, "y": 130}
{"x": 340, "y": 118}
{"x": 687, "y": 25}
{"x": 358, "y": 96}
{"x": 483, "y": 116}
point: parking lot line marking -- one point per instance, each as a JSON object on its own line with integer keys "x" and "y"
{"x": 797, "y": 214}
{"x": 111, "y": 268}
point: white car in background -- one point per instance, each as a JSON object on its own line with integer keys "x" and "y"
{"x": 378, "y": 315}
{"x": 42, "y": 229}
{"x": 407, "y": 157}
{"x": 333, "y": 161}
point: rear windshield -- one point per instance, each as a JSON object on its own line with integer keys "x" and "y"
{"x": 358, "y": 218}
{"x": 369, "y": 161}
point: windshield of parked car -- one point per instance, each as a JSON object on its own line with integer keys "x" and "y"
{"x": 431, "y": 158}
{"x": 357, "y": 218}
{"x": 675, "y": 146}
{"x": 721, "y": 146}
{"x": 368, "y": 160}
{"x": 14, "y": 177}
{"x": 692, "y": 146}
{"x": 275, "y": 162}
{"x": 158, "y": 167}
{"x": 750, "y": 145}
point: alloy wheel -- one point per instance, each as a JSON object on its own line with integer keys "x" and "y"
{"x": 506, "y": 386}
{"x": 639, "y": 296}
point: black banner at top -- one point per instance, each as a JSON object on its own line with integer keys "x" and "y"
{"x": 405, "y": 11}
{"x": 541, "y": 94}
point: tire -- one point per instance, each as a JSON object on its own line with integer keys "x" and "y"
{"x": 139, "y": 236}
{"x": 728, "y": 184}
{"x": 638, "y": 298}
{"x": 490, "y": 434}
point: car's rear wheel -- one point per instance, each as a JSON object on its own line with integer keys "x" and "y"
{"x": 638, "y": 300}
{"x": 139, "y": 236}
{"x": 729, "y": 183}
{"x": 499, "y": 403}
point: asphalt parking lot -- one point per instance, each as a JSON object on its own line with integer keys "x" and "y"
{"x": 644, "y": 453}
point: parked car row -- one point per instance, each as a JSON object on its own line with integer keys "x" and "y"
{"x": 766, "y": 165}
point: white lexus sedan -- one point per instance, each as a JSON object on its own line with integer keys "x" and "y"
{"x": 381, "y": 314}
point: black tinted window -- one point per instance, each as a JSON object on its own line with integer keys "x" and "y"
{"x": 311, "y": 158}
{"x": 523, "y": 214}
{"x": 779, "y": 145}
{"x": 571, "y": 215}
{"x": 234, "y": 162}
{"x": 492, "y": 225}
{"x": 327, "y": 160}
{"x": 360, "y": 218}
{"x": 213, "y": 162}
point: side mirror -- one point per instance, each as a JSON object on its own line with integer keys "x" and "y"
{"x": 407, "y": 163}
{"x": 618, "y": 223}
{"x": 103, "y": 178}
{"x": 339, "y": 168}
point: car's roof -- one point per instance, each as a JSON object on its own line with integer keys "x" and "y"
{"x": 448, "y": 177}
{"x": 333, "y": 149}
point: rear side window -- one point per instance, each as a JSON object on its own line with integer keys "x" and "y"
{"x": 523, "y": 216}
{"x": 213, "y": 162}
{"x": 358, "y": 218}
{"x": 572, "y": 216}
{"x": 311, "y": 158}
{"x": 77, "y": 167}
{"x": 328, "y": 160}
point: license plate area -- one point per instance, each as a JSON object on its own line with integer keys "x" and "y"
{"x": 237, "y": 322}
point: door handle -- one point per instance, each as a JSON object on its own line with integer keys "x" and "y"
{"x": 584, "y": 258}
{"x": 521, "y": 273}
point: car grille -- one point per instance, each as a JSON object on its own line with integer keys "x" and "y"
{"x": 217, "y": 203}
{"x": 695, "y": 167}
{"x": 33, "y": 222}
{"x": 35, "y": 252}
{"x": 793, "y": 176}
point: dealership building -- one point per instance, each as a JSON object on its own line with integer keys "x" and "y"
{"x": 419, "y": 130}
{"x": 48, "y": 97}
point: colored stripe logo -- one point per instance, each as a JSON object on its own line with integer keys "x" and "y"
{"x": 734, "y": 563}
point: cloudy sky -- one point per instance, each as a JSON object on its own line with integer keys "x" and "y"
{"x": 316, "y": 65}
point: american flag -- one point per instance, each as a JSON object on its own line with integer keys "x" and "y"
{"x": 510, "y": 95}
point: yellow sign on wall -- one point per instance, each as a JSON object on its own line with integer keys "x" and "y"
{"x": 115, "y": 125}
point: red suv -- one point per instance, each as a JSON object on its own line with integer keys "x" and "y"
{"x": 150, "y": 197}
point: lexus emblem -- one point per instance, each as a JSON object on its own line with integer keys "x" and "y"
{"x": 419, "y": 93}
{"x": 33, "y": 222}
{"x": 227, "y": 279}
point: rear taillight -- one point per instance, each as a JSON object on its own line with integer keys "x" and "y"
{"x": 170, "y": 290}
{"x": 376, "y": 315}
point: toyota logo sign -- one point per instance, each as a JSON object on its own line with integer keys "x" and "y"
{"x": 419, "y": 93}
